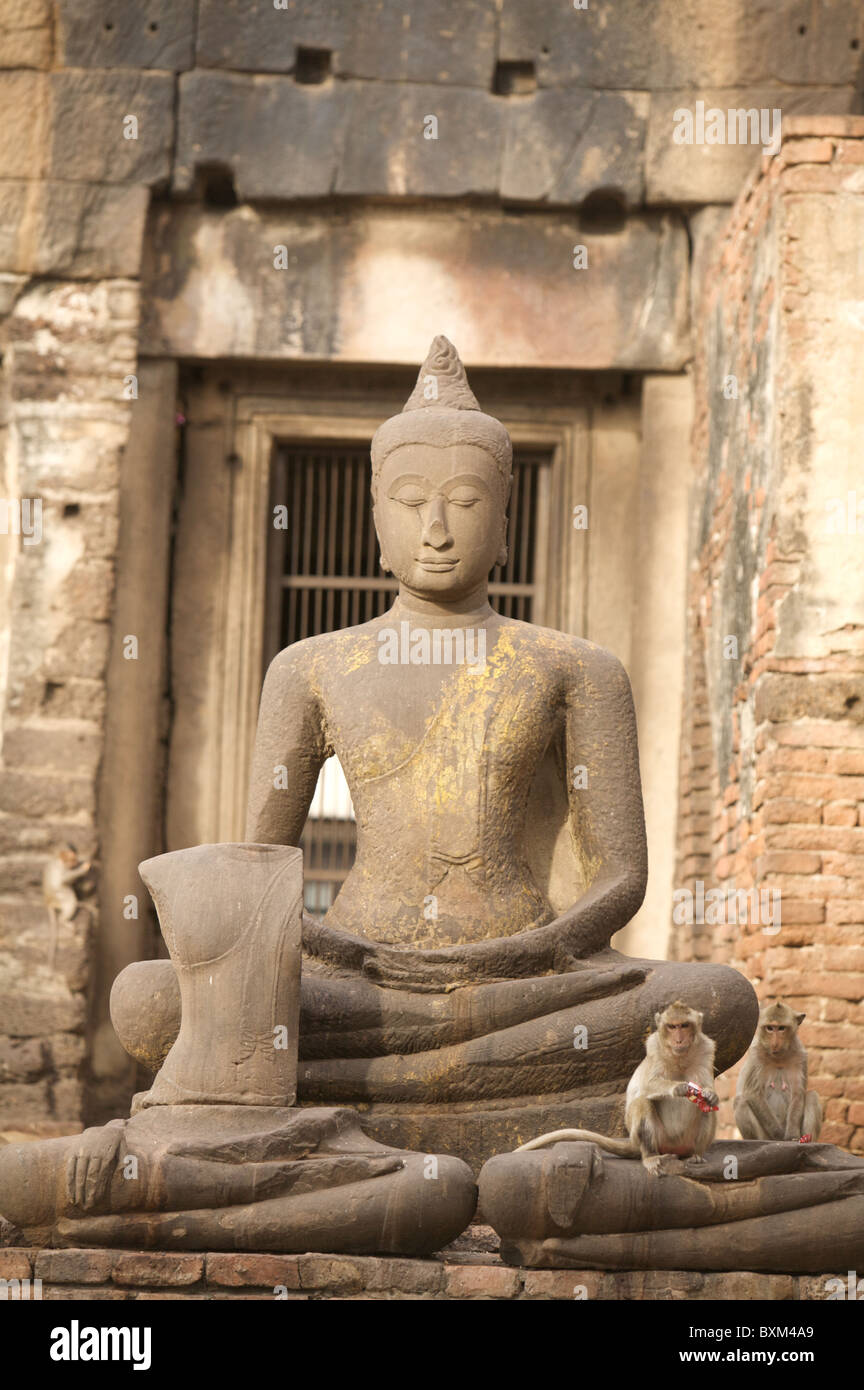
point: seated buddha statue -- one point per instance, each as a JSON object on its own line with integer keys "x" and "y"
{"x": 443, "y": 995}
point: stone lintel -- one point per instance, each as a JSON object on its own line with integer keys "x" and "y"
{"x": 372, "y": 285}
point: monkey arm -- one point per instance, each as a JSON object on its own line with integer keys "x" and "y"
{"x": 73, "y": 875}
{"x": 771, "y": 1127}
{"x": 795, "y": 1116}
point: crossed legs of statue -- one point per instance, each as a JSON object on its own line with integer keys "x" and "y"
{"x": 553, "y": 1035}
{"x": 215, "y": 1156}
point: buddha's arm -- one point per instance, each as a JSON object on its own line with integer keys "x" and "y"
{"x": 605, "y": 794}
{"x": 609, "y": 832}
{"x": 290, "y": 747}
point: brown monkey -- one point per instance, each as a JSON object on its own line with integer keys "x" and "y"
{"x": 62, "y": 870}
{"x": 664, "y": 1123}
{"x": 771, "y": 1099}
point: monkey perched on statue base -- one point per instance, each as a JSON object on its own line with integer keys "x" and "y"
{"x": 771, "y": 1099}
{"x": 670, "y": 1104}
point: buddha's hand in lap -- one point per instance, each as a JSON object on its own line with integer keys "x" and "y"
{"x": 486, "y": 962}
{"x": 91, "y": 1165}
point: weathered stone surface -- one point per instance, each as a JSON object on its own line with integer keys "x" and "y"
{"x": 573, "y": 1205}
{"x": 21, "y": 1059}
{"x": 419, "y": 42}
{"x": 76, "y": 1274}
{"x": 35, "y": 795}
{"x": 279, "y": 139}
{"x": 781, "y": 697}
{"x": 481, "y": 1281}
{"x": 153, "y": 1269}
{"x": 79, "y": 1266}
{"x": 77, "y": 229}
{"x": 25, "y": 33}
{"x": 673, "y": 43}
{"x": 563, "y": 145}
{"x": 386, "y": 151}
{"x": 100, "y": 103}
{"x": 77, "y": 751}
{"x": 691, "y": 174}
{"x": 290, "y": 1178}
{"x": 706, "y": 227}
{"x": 238, "y": 1270}
{"x": 22, "y": 95}
{"x": 149, "y": 34}
{"x": 32, "y": 1015}
{"x": 16, "y": 1263}
{"x": 75, "y": 448}
{"x": 509, "y": 283}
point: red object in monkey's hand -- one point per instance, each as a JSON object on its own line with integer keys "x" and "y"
{"x": 696, "y": 1094}
{"x": 806, "y": 1139}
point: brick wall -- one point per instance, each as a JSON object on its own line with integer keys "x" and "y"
{"x": 102, "y": 1275}
{"x": 772, "y": 770}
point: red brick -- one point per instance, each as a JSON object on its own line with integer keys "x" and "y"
{"x": 798, "y": 911}
{"x": 405, "y": 1276}
{"x": 834, "y": 986}
{"x": 851, "y": 153}
{"x": 16, "y": 1263}
{"x": 564, "y": 1284}
{"x": 851, "y": 127}
{"x": 75, "y": 1266}
{"x": 263, "y": 1271}
{"x": 85, "y": 1293}
{"x": 149, "y": 1269}
{"x": 481, "y": 1281}
{"x": 833, "y": 1132}
{"x": 840, "y": 815}
{"x": 807, "y": 151}
{"x": 332, "y": 1272}
{"x": 782, "y": 810}
{"x": 787, "y": 862}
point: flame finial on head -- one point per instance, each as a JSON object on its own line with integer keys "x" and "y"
{"x": 443, "y": 367}
{"x": 442, "y": 411}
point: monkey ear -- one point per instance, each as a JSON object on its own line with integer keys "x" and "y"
{"x": 800, "y": 1018}
{"x": 657, "y": 1018}
{"x": 699, "y": 1018}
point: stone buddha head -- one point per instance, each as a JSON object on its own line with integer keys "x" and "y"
{"x": 441, "y": 474}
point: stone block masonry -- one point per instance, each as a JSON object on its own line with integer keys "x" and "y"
{"x": 772, "y": 771}
{"x": 117, "y": 1276}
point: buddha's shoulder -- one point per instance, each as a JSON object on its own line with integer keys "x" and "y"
{"x": 313, "y": 656}
{"x": 570, "y": 655}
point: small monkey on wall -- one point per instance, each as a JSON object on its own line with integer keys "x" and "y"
{"x": 670, "y": 1103}
{"x": 64, "y": 868}
{"x": 771, "y": 1099}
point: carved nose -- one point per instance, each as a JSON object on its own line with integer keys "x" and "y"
{"x": 435, "y": 531}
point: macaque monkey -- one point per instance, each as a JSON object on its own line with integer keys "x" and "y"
{"x": 771, "y": 1099}
{"x": 62, "y": 870}
{"x": 670, "y": 1101}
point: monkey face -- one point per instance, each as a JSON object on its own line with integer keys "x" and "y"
{"x": 679, "y": 1036}
{"x": 777, "y": 1038}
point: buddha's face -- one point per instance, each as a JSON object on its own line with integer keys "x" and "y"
{"x": 441, "y": 518}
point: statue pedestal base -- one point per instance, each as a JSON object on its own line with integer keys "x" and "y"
{"x": 220, "y": 1177}
{"x": 114, "y": 1275}
{"x": 770, "y": 1207}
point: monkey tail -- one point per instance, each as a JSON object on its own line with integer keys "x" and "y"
{"x": 624, "y": 1147}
